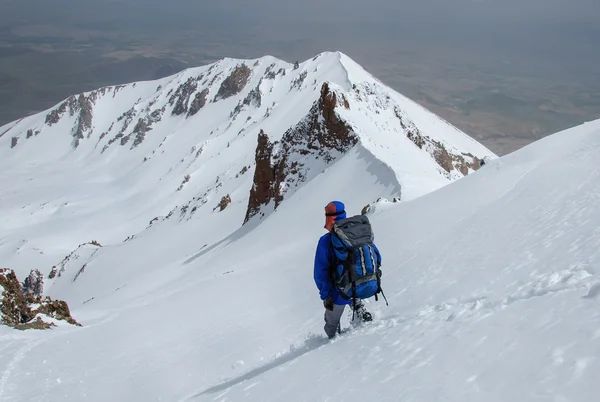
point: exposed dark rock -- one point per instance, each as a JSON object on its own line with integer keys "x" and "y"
{"x": 370, "y": 208}
{"x": 56, "y": 271}
{"x": 253, "y": 99}
{"x": 183, "y": 183}
{"x": 140, "y": 129}
{"x": 446, "y": 160}
{"x": 296, "y": 65}
{"x": 13, "y": 306}
{"x": 127, "y": 118}
{"x": 19, "y": 310}
{"x": 264, "y": 177}
{"x": 72, "y": 105}
{"x": 29, "y": 134}
{"x": 53, "y": 273}
{"x": 198, "y": 103}
{"x": 117, "y": 89}
{"x": 57, "y": 309}
{"x": 82, "y": 105}
{"x": 269, "y": 73}
{"x": 225, "y": 201}
{"x": 182, "y": 95}
{"x": 54, "y": 116}
{"x": 37, "y": 323}
{"x": 13, "y": 142}
{"x": 33, "y": 285}
{"x": 298, "y": 81}
{"x": 235, "y": 83}
{"x": 243, "y": 171}
{"x": 84, "y": 120}
{"x": 215, "y": 78}
{"x": 81, "y": 270}
{"x": 143, "y": 126}
{"x": 282, "y": 166}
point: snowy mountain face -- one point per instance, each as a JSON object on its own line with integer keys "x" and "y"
{"x": 191, "y": 272}
{"x": 220, "y": 143}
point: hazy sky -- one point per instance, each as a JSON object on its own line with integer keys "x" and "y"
{"x": 459, "y": 11}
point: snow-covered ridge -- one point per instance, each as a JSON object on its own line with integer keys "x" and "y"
{"x": 188, "y": 148}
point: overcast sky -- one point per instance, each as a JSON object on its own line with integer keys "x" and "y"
{"x": 459, "y": 11}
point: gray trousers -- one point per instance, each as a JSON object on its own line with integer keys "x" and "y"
{"x": 333, "y": 317}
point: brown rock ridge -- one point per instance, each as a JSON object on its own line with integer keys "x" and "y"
{"x": 282, "y": 166}
{"x": 20, "y": 311}
{"x": 447, "y": 160}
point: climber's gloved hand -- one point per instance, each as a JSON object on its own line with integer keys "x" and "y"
{"x": 328, "y": 303}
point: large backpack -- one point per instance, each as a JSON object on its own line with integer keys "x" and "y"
{"x": 356, "y": 273}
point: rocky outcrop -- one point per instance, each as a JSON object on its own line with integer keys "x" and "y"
{"x": 186, "y": 179}
{"x": 198, "y": 103}
{"x": 372, "y": 208}
{"x": 447, "y": 160}
{"x": 55, "y": 115}
{"x": 182, "y": 95}
{"x": 84, "y": 252}
{"x": 262, "y": 191}
{"x": 80, "y": 105}
{"x": 298, "y": 81}
{"x": 85, "y": 107}
{"x": 13, "y": 307}
{"x": 253, "y": 99}
{"x": 53, "y": 272}
{"x": 127, "y": 117}
{"x": 142, "y": 127}
{"x": 13, "y": 142}
{"x": 234, "y": 83}
{"x": 27, "y": 311}
{"x": 224, "y": 203}
{"x": 270, "y": 73}
{"x": 33, "y": 286}
{"x": 319, "y": 139}
{"x": 57, "y": 309}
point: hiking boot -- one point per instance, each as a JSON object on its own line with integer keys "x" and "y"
{"x": 362, "y": 313}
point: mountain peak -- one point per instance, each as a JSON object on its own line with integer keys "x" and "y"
{"x": 175, "y": 148}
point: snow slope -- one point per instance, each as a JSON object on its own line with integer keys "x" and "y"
{"x": 110, "y": 164}
{"x": 492, "y": 281}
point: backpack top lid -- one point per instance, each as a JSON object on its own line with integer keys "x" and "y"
{"x": 354, "y": 231}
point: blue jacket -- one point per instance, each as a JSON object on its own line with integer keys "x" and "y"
{"x": 324, "y": 259}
